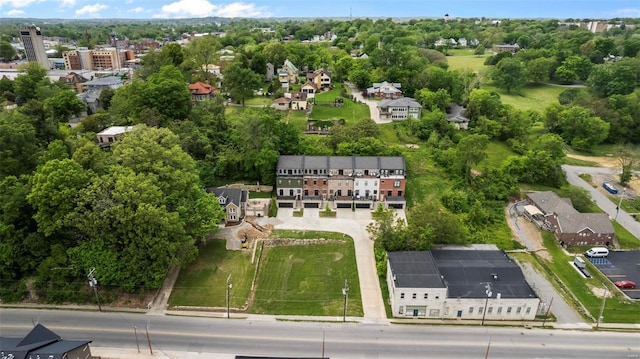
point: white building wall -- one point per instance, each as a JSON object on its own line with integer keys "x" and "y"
{"x": 361, "y": 185}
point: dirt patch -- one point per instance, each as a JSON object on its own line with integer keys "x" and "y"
{"x": 530, "y": 231}
{"x": 609, "y": 162}
{"x": 599, "y": 292}
{"x": 633, "y": 188}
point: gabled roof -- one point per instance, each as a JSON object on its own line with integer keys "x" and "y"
{"x": 367, "y": 162}
{"x": 104, "y": 81}
{"x": 115, "y": 130}
{"x": 392, "y": 163}
{"x": 549, "y": 202}
{"x": 310, "y": 83}
{"x": 234, "y": 196}
{"x": 288, "y": 64}
{"x": 201, "y": 88}
{"x": 400, "y": 102}
{"x": 41, "y": 342}
{"x": 298, "y": 96}
{"x": 282, "y": 100}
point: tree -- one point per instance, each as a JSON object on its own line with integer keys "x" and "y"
{"x": 509, "y": 74}
{"x": 470, "y": 151}
{"x": 479, "y": 50}
{"x": 167, "y": 93}
{"x": 275, "y": 53}
{"x": 105, "y": 98}
{"x": 18, "y": 144}
{"x": 27, "y": 83}
{"x": 484, "y": 103}
{"x": 429, "y": 224}
{"x": 628, "y": 160}
{"x": 7, "y": 52}
{"x": 259, "y": 64}
{"x": 241, "y": 82}
{"x": 388, "y": 231}
{"x": 430, "y": 100}
{"x": 582, "y": 129}
{"x": 55, "y": 189}
{"x": 612, "y": 79}
{"x": 63, "y": 105}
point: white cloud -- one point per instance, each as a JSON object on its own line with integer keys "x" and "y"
{"x": 14, "y": 12}
{"x": 67, "y": 3}
{"x": 91, "y": 10}
{"x": 627, "y": 12}
{"x": 18, "y": 3}
{"x": 203, "y": 8}
{"x": 137, "y": 9}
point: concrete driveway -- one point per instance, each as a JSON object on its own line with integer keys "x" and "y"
{"x": 601, "y": 200}
{"x": 373, "y": 105}
{"x": 354, "y": 224}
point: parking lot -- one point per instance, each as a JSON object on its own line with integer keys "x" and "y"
{"x": 621, "y": 265}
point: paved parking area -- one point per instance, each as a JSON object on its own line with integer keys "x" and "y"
{"x": 621, "y": 265}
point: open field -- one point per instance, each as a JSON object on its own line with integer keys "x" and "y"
{"x": 350, "y": 111}
{"x": 259, "y": 100}
{"x": 530, "y": 97}
{"x": 297, "y": 119}
{"x": 308, "y": 280}
{"x": 203, "y": 282}
{"x": 467, "y": 62}
{"x": 497, "y": 153}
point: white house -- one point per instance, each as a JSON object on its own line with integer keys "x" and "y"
{"x": 478, "y": 282}
{"x": 111, "y": 134}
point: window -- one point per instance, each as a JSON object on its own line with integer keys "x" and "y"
{"x": 324, "y": 182}
{"x": 305, "y": 182}
{"x": 434, "y": 312}
{"x": 396, "y": 183}
{"x": 233, "y": 218}
{"x": 508, "y": 310}
{"x": 401, "y": 295}
{"x": 490, "y": 310}
{"x": 413, "y": 296}
{"x": 401, "y": 309}
{"x": 232, "y": 210}
{"x": 470, "y": 310}
{"x": 480, "y": 309}
{"x": 281, "y": 192}
{"x": 528, "y": 310}
{"x": 437, "y": 297}
{"x": 518, "y": 310}
{"x": 426, "y": 295}
{"x": 315, "y": 182}
{"x": 499, "y": 310}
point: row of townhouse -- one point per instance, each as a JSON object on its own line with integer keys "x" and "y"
{"x": 340, "y": 181}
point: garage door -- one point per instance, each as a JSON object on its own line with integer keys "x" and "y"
{"x": 363, "y": 205}
{"x": 343, "y": 205}
{"x": 285, "y": 204}
{"x": 396, "y": 205}
{"x": 312, "y": 205}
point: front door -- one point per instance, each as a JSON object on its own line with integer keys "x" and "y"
{"x": 415, "y": 312}
{"x": 459, "y": 314}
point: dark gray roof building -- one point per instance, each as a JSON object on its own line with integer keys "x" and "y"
{"x": 231, "y": 195}
{"x": 41, "y": 342}
{"x": 415, "y": 269}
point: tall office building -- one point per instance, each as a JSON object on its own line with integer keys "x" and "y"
{"x": 34, "y": 46}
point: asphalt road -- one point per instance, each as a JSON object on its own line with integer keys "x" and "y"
{"x": 207, "y": 337}
{"x": 601, "y": 200}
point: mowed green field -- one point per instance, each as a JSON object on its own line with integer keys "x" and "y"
{"x": 467, "y": 62}
{"x": 350, "y": 111}
{"x": 308, "y": 280}
{"x": 531, "y": 97}
{"x": 204, "y": 282}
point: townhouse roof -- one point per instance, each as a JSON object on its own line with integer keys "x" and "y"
{"x": 577, "y": 222}
{"x": 392, "y": 163}
{"x": 415, "y": 269}
{"x": 399, "y": 102}
{"x": 341, "y": 162}
{"x": 234, "y": 196}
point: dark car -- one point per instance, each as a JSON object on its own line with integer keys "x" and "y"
{"x": 626, "y": 284}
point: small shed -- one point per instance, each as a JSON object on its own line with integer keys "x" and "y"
{"x": 532, "y": 211}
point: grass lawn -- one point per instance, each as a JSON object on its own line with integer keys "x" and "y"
{"x": 298, "y": 119}
{"x": 618, "y": 309}
{"x": 350, "y": 111}
{"x": 203, "y": 282}
{"x": 260, "y": 194}
{"x": 424, "y": 179}
{"x": 625, "y": 238}
{"x": 308, "y": 280}
{"x": 530, "y": 97}
{"x": 259, "y": 100}
{"x": 497, "y": 153}
{"x": 467, "y": 62}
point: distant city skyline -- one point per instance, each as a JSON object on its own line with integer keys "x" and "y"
{"x": 148, "y": 9}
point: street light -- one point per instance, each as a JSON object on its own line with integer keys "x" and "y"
{"x": 624, "y": 191}
{"x": 345, "y": 293}
{"x": 229, "y": 285}
{"x": 604, "y": 299}
{"x": 486, "y": 301}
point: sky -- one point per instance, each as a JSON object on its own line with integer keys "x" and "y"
{"x": 148, "y": 9}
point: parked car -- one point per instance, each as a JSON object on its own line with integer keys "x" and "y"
{"x": 625, "y": 284}
{"x": 597, "y": 252}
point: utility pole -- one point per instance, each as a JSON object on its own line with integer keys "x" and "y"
{"x": 229, "y": 285}
{"x": 135, "y": 332}
{"x": 604, "y": 299}
{"x": 547, "y": 315}
{"x": 624, "y": 191}
{"x": 486, "y": 354}
{"x": 148, "y": 339}
{"x": 345, "y": 293}
{"x": 486, "y": 302}
{"x": 322, "y": 344}
{"x": 94, "y": 284}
